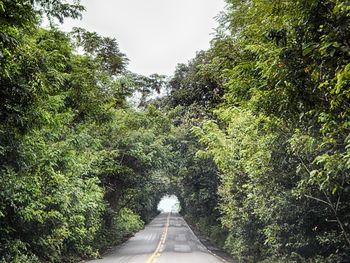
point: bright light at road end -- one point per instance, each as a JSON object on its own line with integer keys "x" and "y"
{"x": 169, "y": 203}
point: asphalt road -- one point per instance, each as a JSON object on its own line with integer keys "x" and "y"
{"x": 167, "y": 239}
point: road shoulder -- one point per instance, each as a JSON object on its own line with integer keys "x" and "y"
{"x": 212, "y": 248}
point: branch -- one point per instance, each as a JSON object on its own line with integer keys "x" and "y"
{"x": 318, "y": 199}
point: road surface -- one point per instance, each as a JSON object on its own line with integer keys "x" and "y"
{"x": 167, "y": 239}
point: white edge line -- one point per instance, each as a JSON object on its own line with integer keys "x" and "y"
{"x": 210, "y": 252}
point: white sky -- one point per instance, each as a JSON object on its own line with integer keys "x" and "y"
{"x": 169, "y": 204}
{"x": 155, "y": 35}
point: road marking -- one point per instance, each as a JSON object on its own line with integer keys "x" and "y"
{"x": 182, "y": 248}
{"x": 218, "y": 257}
{"x": 161, "y": 243}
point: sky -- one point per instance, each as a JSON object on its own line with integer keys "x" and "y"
{"x": 169, "y": 204}
{"x": 155, "y": 35}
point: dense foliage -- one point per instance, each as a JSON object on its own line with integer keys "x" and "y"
{"x": 252, "y": 136}
{"x": 280, "y": 138}
{"x": 79, "y": 169}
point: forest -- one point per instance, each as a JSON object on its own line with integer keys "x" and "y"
{"x": 252, "y": 136}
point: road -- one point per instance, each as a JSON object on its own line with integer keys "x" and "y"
{"x": 167, "y": 239}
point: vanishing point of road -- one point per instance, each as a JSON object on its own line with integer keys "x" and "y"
{"x": 167, "y": 239}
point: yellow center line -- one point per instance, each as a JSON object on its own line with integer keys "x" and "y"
{"x": 156, "y": 253}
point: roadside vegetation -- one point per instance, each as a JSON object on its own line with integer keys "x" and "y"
{"x": 252, "y": 136}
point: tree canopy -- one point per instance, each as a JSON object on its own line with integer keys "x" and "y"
{"x": 252, "y": 135}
